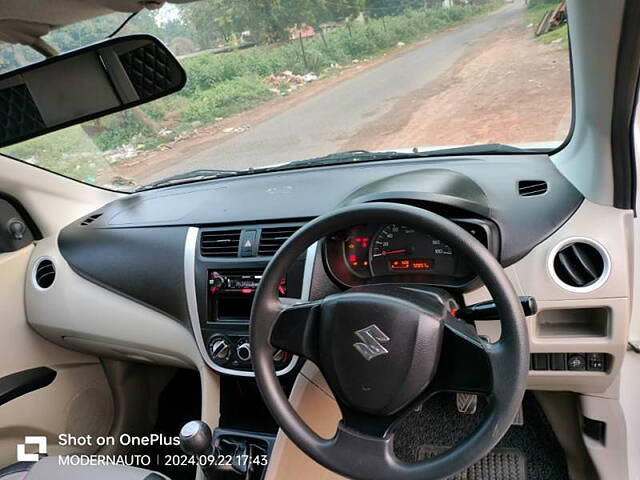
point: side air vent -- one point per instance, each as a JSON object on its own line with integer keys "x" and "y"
{"x": 220, "y": 243}
{"x": 271, "y": 239}
{"x": 91, "y": 219}
{"x": 532, "y": 188}
{"x": 580, "y": 265}
{"x": 44, "y": 274}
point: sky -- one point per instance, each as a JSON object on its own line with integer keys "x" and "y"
{"x": 167, "y": 13}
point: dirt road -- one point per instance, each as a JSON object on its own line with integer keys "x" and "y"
{"x": 488, "y": 81}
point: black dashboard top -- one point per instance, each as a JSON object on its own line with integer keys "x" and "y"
{"x": 150, "y": 226}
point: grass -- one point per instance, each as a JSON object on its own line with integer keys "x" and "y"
{"x": 222, "y": 85}
{"x": 70, "y": 152}
{"x": 535, "y": 12}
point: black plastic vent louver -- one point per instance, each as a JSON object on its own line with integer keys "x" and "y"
{"x": 579, "y": 265}
{"x": 45, "y": 274}
{"x": 220, "y": 243}
{"x": 272, "y": 238}
{"x": 532, "y": 188}
{"x": 90, "y": 219}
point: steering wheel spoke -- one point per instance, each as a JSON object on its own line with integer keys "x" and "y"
{"x": 465, "y": 361}
{"x": 296, "y": 329}
{"x": 375, "y": 453}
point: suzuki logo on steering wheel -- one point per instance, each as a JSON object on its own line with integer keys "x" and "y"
{"x": 371, "y": 346}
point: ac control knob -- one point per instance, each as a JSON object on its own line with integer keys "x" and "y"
{"x": 217, "y": 282}
{"x": 220, "y": 350}
{"x": 243, "y": 352}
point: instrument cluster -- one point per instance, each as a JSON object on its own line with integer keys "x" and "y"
{"x": 366, "y": 254}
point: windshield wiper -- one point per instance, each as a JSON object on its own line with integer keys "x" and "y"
{"x": 350, "y": 156}
{"x": 191, "y": 176}
{"x": 354, "y": 156}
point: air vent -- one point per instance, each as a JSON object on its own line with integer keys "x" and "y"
{"x": 220, "y": 243}
{"x": 580, "y": 265}
{"x": 532, "y": 188}
{"x": 91, "y": 219}
{"x": 271, "y": 239}
{"x": 45, "y": 274}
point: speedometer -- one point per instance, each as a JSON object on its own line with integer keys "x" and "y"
{"x": 395, "y": 253}
{"x": 397, "y": 249}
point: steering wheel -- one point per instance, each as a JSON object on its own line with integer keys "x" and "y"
{"x": 384, "y": 349}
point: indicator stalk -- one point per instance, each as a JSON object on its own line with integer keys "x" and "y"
{"x": 489, "y": 310}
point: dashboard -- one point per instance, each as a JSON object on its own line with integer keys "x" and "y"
{"x": 168, "y": 276}
{"x": 394, "y": 253}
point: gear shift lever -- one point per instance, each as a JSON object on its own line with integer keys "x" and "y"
{"x": 196, "y": 439}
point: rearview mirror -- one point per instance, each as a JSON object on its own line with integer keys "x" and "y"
{"x": 84, "y": 84}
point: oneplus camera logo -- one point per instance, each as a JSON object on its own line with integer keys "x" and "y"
{"x": 22, "y": 454}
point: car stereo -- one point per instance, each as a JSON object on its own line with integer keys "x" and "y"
{"x": 230, "y": 295}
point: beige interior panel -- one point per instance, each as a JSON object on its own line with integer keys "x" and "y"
{"x": 559, "y": 325}
{"x": 610, "y": 458}
{"x": 629, "y": 395}
{"x": 210, "y": 385}
{"x": 318, "y": 409}
{"x": 78, "y": 402}
{"x": 21, "y": 347}
{"x": 79, "y": 399}
{"x": 53, "y": 201}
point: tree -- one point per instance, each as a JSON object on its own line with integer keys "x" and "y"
{"x": 212, "y": 21}
{"x": 267, "y": 20}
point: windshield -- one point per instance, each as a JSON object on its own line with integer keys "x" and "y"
{"x": 281, "y": 81}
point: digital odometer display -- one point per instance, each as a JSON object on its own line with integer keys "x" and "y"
{"x": 411, "y": 264}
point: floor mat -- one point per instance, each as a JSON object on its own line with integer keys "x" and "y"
{"x": 440, "y": 423}
{"x": 500, "y": 464}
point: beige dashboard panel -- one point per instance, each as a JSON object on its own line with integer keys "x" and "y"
{"x": 78, "y": 400}
{"x": 566, "y": 322}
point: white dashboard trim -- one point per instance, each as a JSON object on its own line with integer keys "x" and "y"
{"x": 191, "y": 243}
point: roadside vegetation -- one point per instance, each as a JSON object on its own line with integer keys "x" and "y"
{"x": 220, "y": 85}
{"x": 536, "y": 10}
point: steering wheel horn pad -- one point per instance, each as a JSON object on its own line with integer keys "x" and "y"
{"x": 384, "y": 349}
{"x": 378, "y": 352}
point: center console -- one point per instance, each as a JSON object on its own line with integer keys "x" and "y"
{"x": 223, "y": 269}
{"x": 221, "y": 282}
{"x": 229, "y": 297}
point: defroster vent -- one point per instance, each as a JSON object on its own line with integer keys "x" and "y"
{"x": 91, "y": 219}
{"x": 220, "y": 243}
{"x": 532, "y": 188}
